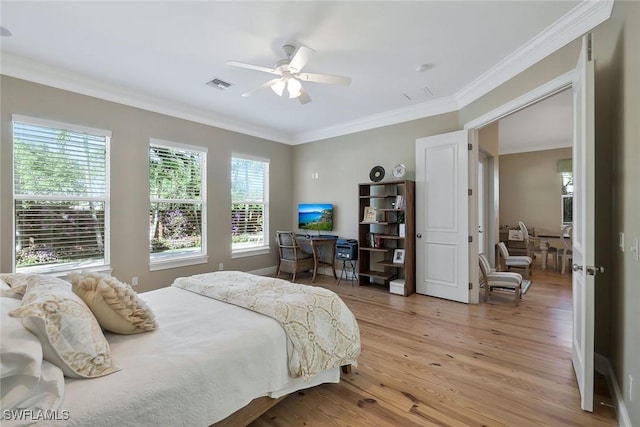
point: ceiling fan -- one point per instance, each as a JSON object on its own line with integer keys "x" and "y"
{"x": 290, "y": 75}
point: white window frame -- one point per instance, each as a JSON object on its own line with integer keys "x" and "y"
{"x": 63, "y": 269}
{"x": 264, "y": 247}
{"x": 164, "y": 261}
{"x": 562, "y": 200}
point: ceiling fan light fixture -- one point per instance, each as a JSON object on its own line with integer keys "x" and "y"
{"x": 294, "y": 87}
{"x": 278, "y": 87}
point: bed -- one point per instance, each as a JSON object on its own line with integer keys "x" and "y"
{"x": 207, "y": 360}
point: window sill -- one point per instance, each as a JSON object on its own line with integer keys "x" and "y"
{"x": 155, "y": 265}
{"x": 257, "y": 250}
{"x": 63, "y": 271}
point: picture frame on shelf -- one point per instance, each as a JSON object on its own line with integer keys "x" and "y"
{"x": 370, "y": 214}
{"x": 398, "y": 256}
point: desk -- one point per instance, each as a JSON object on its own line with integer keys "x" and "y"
{"x": 320, "y": 245}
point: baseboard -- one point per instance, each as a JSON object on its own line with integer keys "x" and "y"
{"x": 603, "y": 366}
{"x": 264, "y": 271}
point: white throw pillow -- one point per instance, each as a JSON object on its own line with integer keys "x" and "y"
{"x": 34, "y": 393}
{"x": 71, "y": 337}
{"x": 16, "y": 282}
{"x": 20, "y": 350}
{"x": 115, "y": 304}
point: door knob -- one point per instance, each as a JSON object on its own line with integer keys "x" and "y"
{"x": 419, "y": 236}
{"x": 576, "y": 267}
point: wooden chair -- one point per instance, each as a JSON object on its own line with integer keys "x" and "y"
{"x": 499, "y": 280}
{"x": 291, "y": 257}
{"x": 514, "y": 261}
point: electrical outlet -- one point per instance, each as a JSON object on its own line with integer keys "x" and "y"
{"x": 634, "y": 250}
{"x": 134, "y": 281}
{"x": 621, "y": 241}
{"x": 630, "y": 387}
{"x": 221, "y": 266}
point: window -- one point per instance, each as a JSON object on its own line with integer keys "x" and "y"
{"x": 177, "y": 214}
{"x": 249, "y": 205}
{"x": 567, "y": 198}
{"x": 60, "y": 195}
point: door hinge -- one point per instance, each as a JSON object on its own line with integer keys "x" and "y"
{"x": 469, "y": 147}
{"x": 470, "y": 239}
{"x": 470, "y": 285}
{"x": 589, "y": 46}
{"x": 470, "y": 192}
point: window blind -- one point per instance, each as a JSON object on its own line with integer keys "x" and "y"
{"x": 249, "y": 209}
{"x": 60, "y": 197}
{"x": 177, "y": 203}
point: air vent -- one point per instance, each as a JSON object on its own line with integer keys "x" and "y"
{"x": 219, "y": 84}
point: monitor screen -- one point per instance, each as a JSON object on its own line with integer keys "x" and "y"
{"x": 315, "y": 216}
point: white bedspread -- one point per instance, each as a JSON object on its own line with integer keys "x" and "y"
{"x": 323, "y": 331}
{"x": 206, "y": 360}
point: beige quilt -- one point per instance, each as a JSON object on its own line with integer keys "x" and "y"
{"x": 322, "y": 330}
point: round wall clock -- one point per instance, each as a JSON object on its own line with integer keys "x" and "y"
{"x": 399, "y": 171}
{"x": 376, "y": 174}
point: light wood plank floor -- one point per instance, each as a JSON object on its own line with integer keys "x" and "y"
{"x": 432, "y": 362}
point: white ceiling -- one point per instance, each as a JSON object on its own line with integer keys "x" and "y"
{"x": 159, "y": 55}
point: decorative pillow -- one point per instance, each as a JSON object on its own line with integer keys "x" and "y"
{"x": 71, "y": 337}
{"x": 7, "y": 292}
{"x": 20, "y": 350}
{"x": 115, "y": 304}
{"x": 44, "y": 392}
{"x": 17, "y": 283}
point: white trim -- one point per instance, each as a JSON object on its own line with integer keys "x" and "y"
{"x": 603, "y": 366}
{"x": 178, "y": 262}
{"x": 552, "y": 87}
{"x": 578, "y": 21}
{"x": 572, "y": 25}
{"x": 27, "y": 69}
{"x": 256, "y": 250}
{"x": 401, "y": 115}
{"x": 36, "y": 121}
{"x": 268, "y": 271}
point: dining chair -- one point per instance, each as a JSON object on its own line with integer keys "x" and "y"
{"x": 567, "y": 243}
{"x": 535, "y": 245}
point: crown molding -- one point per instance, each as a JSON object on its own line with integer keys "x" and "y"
{"x": 26, "y": 69}
{"x": 575, "y": 23}
{"x": 572, "y": 25}
{"x": 400, "y": 115}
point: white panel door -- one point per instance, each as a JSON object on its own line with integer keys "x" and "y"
{"x": 442, "y": 216}
{"x": 583, "y": 224}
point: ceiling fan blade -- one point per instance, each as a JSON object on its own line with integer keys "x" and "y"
{"x": 300, "y": 58}
{"x": 254, "y": 67}
{"x": 325, "y": 78}
{"x": 262, "y": 86}
{"x": 304, "y": 97}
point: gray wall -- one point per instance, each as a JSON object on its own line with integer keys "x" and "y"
{"x": 531, "y": 190}
{"x": 345, "y": 161}
{"x": 131, "y": 129}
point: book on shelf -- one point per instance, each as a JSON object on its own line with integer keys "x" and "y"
{"x": 400, "y": 202}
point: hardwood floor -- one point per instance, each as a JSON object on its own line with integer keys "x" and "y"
{"x": 432, "y": 362}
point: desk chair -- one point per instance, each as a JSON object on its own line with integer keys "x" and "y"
{"x": 514, "y": 261}
{"x": 291, "y": 257}
{"x": 499, "y": 280}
